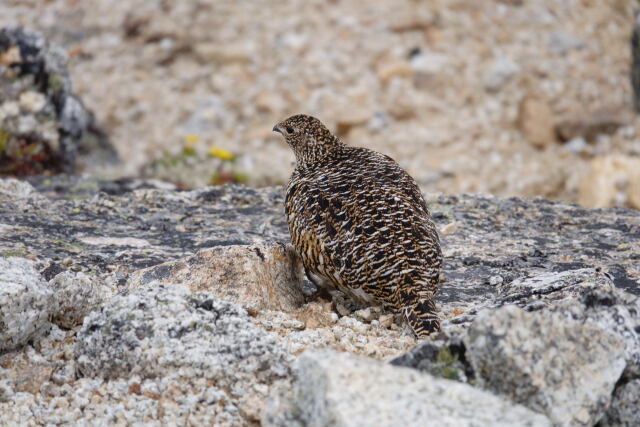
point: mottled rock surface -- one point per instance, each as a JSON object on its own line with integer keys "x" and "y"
{"x": 624, "y": 410}
{"x": 495, "y": 241}
{"x": 25, "y": 302}
{"x": 564, "y": 369}
{"x": 166, "y": 329}
{"x": 44, "y": 127}
{"x": 92, "y": 239}
{"x": 260, "y": 276}
{"x": 77, "y": 295}
{"x": 337, "y": 389}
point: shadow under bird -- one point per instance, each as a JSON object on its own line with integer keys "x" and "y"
{"x": 360, "y": 224}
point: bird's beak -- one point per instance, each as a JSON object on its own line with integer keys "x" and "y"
{"x": 276, "y": 128}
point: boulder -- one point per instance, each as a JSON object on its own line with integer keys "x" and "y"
{"x": 339, "y": 389}
{"x": 560, "y": 367}
{"x": 260, "y": 276}
{"x": 166, "y": 330}
{"x": 77, "y": 295}
{"x": 26, "y": 303}
{"x": 44, "y": 127}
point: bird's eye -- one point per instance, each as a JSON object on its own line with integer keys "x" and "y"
{"x": 289, "y": 130}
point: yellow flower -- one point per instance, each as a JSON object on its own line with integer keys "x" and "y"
{"x": 190, "y": 139}
{"x": 221, "y": 153}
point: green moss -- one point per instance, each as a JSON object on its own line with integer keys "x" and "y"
{"x": 447, "y": 364}
{"x": 188, "y": 151}
{"x": 56, "y": 82}
{"x": 239, "y": 177}
{"x": 4, "y": 137}
{"x": 445, "y": 356}
{"x": 67, "y": 245}
{"x": 14, "y": 252}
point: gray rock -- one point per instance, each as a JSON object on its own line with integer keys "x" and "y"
{"x": 338, "y": 389}
{"x": 26, "y": 302}
{"x": 563, "y": 368}
{"x": 614, "y": 311}
{"x": 540, "y": 255}
{"x": 441, "y": 357}
{"x": 511, "y": 238}
{"x": 260, "y": 276}
{"x": 44, "y": 126}
{"x": 625, "y": 406}
{"x": 540, "y": 291}
{"x": 548, "y": 289}
{"x": 77, "y": 295}
{"x": 561, "y": 42}
{"x": 167, "y": 330}
{"x": 499, "y": 72}
{"x": 168, "y": 327}
{"x": 12, "y": 188}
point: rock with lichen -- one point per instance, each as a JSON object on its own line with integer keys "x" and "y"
{"x": 89, "y": 239}
{"x": 44, "y": 127}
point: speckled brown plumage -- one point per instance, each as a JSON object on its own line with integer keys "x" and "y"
{"x": 360, "y": 224}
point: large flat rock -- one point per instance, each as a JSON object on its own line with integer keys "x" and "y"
{"x": 118, "y": 227}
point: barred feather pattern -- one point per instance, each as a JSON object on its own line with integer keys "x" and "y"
{"x": 360, "y": 224}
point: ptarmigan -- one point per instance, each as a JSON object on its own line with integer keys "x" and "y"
{"x": 360, "y": 224}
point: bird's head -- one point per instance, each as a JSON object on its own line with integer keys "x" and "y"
{"x": 309, "y": 139}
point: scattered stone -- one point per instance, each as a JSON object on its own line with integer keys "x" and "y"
{"x": 260, "y": 276}
{"x": 589, "y": 125}
{"x": 349, "y": 117}
{"x": 387, "y": 71}
{"x": 270, "y": 102}
{"x": 77, "y": 295}
{"x": 315, "y": 315}
{"x": 15, "y": 188}
{"x": 367, "y": 314}
{"x": 611, "y": 181}
{"x": 499, "y": 72}
{"x": 577, "y": 145}
{"x": 26, "y": 303}
{"x": 561, "y": 42}
{"x": 449, "y": 228}
{"x": 563, "y": 368}
{"x": 535, "y": 120}
{"x": 343, "y": 390}
{"x": 32, "y": 102}
{"x": 412, "y": 19}
{"x": 44, "y": 127}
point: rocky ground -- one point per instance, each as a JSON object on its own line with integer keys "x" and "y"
{"x": 144, "y": 301}
{"x": 527, "y": 97}
{"x": 128, "y": 301}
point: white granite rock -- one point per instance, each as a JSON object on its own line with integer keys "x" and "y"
{"x": 560, "y": 367}
{"x": 26, "y": 302}
{"x": 338, "y": 389}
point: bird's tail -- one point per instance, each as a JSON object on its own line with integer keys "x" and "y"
{"x": 422, "y": 317}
